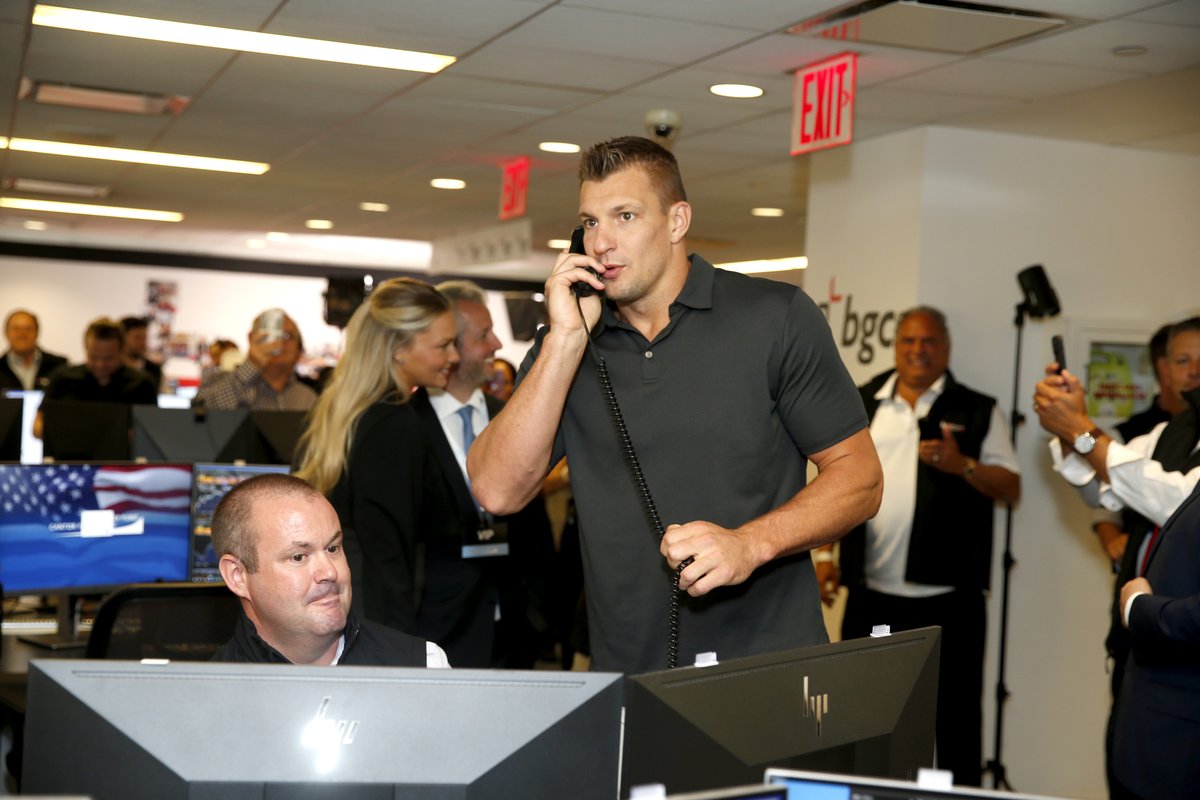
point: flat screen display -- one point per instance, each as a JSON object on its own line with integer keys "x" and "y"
{"x": 88, "y": 527}
{"x": 210, "y": 483}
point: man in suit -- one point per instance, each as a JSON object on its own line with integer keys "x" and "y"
{"x": 25, "y": 365}
{"x": 1156, "y": 722}
{"x": 465, "y": 583}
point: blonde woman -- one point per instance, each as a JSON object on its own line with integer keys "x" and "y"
{"x": 365, "y": 447}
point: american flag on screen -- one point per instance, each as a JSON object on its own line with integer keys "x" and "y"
{"x": 58, "y": 492}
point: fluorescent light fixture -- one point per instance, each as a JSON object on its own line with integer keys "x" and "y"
{"x": 767, "y": 212}
{"x": 35, "y": 225}
{"x": 318, "y": 224}
{"x": 233, "y": 39}
{"x": 380, "y": 207}
{"x": 256, "y": 244}
{"x": 765, "y": 265}
{"x": 277, "y": 236}
{"x": 150, "y": 105}
{"x": 133, "y": 156}
{"x": 90, "y": 210}
{"x": 34, "y": 186}
{"x": 558, "y": 147}
{"x": 739, "y": 90}
{"x": 448, "y": 183}
{"x": 558, "y": 244}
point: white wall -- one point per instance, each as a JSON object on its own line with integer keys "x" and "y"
{"x": 1115, "y": 229}
{"x": 66, "y": 295}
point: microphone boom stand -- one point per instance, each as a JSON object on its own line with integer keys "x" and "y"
{"x": 995, "y": 765}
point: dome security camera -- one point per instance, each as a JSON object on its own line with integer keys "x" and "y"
{"x": 663, "y": 125}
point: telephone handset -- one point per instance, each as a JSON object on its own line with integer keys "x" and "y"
{"x": 582, "y": 288}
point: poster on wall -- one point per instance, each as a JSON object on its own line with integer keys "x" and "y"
{"x": 1120, "y": 379}
{"x": 161, "y": 302}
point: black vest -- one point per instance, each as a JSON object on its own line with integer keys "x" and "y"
{"x": 951, "y": 543}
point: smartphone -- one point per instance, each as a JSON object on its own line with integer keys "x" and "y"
{"x": 1060, "y": 355}
{"x": 582, "y": 288}
{"x": 271, "y": 323}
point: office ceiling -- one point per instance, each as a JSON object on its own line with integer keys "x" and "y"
{"x": 530, "y": 71}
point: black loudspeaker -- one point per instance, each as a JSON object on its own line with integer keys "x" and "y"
{"x": 1040, "y": 299}
{"x": 343, "y": 296}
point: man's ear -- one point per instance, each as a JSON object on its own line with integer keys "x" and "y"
{"x": 234, "y": 573}
{"x": 681, "y": 219}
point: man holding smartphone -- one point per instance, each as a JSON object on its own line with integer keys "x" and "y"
{"x": 266, "y": 380}
{"x": 728, "y": 386}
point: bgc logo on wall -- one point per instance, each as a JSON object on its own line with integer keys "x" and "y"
{"x": 854, "y": 327}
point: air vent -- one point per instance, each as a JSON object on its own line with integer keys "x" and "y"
{"x": 940, "y": 26}
{"x": 61, "y": 94}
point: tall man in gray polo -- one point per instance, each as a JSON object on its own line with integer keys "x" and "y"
{"x": 728, "y": 386}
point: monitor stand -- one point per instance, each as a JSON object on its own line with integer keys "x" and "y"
{"x": 67, "y": 637}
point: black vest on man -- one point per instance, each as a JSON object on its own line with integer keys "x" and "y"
{"x": 951, "y": 543}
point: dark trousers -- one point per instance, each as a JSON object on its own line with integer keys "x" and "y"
{"x": 963, "y": 619}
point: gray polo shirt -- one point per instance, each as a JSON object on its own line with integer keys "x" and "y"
{"x": 721, "y": 407}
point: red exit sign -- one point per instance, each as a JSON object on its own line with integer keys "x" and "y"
{"x": 823, "y": 104}
{"x": 514, "y": 187}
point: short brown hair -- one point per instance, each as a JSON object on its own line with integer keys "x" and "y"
{"x": 233, "y": 522}
{"x": 104, "y": 329}
{"x": 608, "y": 158}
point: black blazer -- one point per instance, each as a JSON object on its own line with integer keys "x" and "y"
{"x": 1156, "y": 726}
{"x": 458, "y": 603}
{"x": 9, "y": 380}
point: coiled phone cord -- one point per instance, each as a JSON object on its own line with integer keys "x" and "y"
{"x": 643, "y": 490}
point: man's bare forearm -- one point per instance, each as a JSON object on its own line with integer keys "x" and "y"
{"x": 845, "y": 493}
{"x": 512, "y": 455}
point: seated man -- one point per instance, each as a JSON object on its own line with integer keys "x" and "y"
{"x": 102, "y": 378}
{"x": 280, "y": 548}
{"x": 25, "y": 365}
{"x": 266, "y": 380}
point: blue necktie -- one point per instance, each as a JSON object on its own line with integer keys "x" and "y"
{"x": 468, "y": 429}
{"x": 468, "y": 437}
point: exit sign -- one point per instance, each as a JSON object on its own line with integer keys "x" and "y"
{"x": 823, "y": 104}
{"x": 514, "y": 187}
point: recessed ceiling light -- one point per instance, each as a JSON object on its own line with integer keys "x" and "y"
{"x": 765, "y": 265}
{"x": 232, "y": 39}
{"x": 741, "y": 90}
{"x": 90, "y": 210}
{"x": 380, "y": 207}
{"x": 35, "y": 186}
{"x": 276, "y": 236}
{"x": 318, "y": 224}
{"x": 35, "y": 225}
{"x": 448, "y": 183}
{"x": 1129, "y": 51}
{"x": 558, "y": 147}
{"x": 133, "y": 156}
{"x": 558, "y": 244}
{"x": 767, "y": 212}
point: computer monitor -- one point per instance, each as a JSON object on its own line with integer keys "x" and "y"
{"x": 756, "y": 792}
{"x": 76, "y": 431}
{"x": 124, "y": 731}
{"x": 170, "y": 434}
{"x": 83, "y": 528}
{"x": 864, "y": 706}
{"x": 278, "y": 432}
{"x": 210, "y": 483}
{"x": 11, "y": 410}
{"x": 802, "y": 785}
